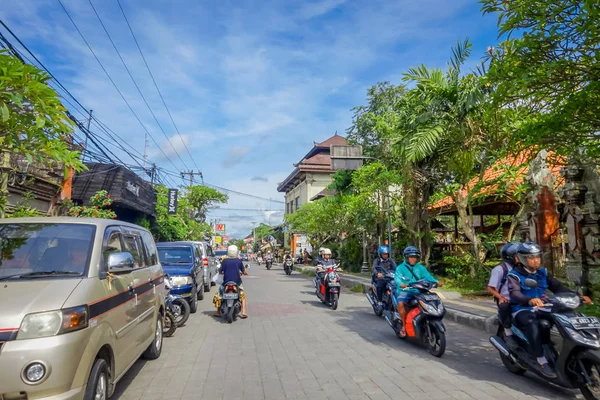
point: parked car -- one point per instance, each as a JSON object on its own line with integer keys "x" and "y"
{"x": 182, "y": 262}
{"x": 209, "y": 264}
{"x": 219, "y": 254}
{"x": 82, "y": 299}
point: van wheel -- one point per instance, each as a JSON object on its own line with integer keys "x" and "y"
{"x": 194, "y": 300}
{"x": 153, "y": 351}
{"x": 200, "y": 292}
{"x": 98, "y": 382}
{"x": 207, "y": 287}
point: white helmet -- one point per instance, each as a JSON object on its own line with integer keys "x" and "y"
{"x": 232, "y": 251}
{"x": 321, "y": 250}
{"x": 326, "y": 252}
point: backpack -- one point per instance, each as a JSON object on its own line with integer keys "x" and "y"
{"x": 504, "y": 277}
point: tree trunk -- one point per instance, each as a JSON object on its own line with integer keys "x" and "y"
{"x": 461, "y": 199}
{"x": 515, "y": 222}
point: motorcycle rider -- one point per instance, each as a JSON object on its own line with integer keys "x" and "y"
{"x": 287, "y": 256}
{"x": 524, "y": 298}
{"x": 498, "y": 287}
{"x": 231, "y": 268}
{"x": 319, "y": 258}
{"x": 326, "y": 261}
{"x": 408, "y": 272}
{"x": 381, "y": 265}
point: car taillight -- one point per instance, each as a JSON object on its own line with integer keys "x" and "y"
{"x": 205, "y": 262}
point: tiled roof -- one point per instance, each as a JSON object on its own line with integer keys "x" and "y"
{"x": 323, "y": 193}
{"x": 335, "y": 139}
{"x": 500, "y": 167}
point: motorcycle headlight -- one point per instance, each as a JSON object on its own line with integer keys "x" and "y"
{"x": 578, "y": 337}
{"x": 181, "y": 280}
{"x": 571, "y": 302}
{"x": 52, "y": 323}
{"x": 432, "y": 309}
{"x": 332, "y": 277}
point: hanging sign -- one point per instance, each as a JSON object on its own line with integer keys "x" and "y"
{"x": 172, "y": 201}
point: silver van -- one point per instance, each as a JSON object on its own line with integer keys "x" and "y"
{"x": 209, "y": 262}
{"x": 81, "y": 300}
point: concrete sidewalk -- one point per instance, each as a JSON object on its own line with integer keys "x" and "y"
{"x": 476, "y": 314}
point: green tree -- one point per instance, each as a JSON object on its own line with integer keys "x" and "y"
{"x": 201, "y": 198}
{"x": 33, "y": 121}
{"x": 548, "y": 63}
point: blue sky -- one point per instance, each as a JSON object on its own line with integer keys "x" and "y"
{"x": 250, "y": 84}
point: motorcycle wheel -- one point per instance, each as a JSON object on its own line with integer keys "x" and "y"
{"x": 268, "y": 266}
{"x": 592, "y": 365}
{"x": 170, "y": 326}
{"x": 334, "y": 301}
{"x": 184, "y": 313}
{"x": 229, "y": 315}
{"x": 437, "y": 342}
{"x": 511, "y": 366}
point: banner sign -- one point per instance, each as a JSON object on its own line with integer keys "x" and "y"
{"x": 218, "y": 240}
{"x": 220, "y": 228}
{"x": 172, "y": 201}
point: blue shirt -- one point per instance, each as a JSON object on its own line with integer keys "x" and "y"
{"x": 231, "y": 268}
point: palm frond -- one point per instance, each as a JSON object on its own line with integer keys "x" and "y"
{"x": 460, "y": 54}
{"x": 423, "y": 142}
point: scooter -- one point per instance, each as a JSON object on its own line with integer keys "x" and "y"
{"x": 329, "y": 287}
{"x": 576, "y": 361}
{"x": 231, "y": 305}
{"x": 287, "y": 266}
{"x": 423, "y": 319}
{"x": 386, "y": 303}
{"x": 268, "y": 263}
{"x": 178, "y": 306}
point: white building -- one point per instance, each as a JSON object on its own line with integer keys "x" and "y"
{"x": 310, "y": 176}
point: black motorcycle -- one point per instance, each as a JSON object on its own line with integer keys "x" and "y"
{"x": 288, "y": 266}
{"x": 576, "y": 361}
{"x": 269, "y": 263}
{"x": 178, "y": 306}
{"x": 386, "y": 303}
{"x": 170, "y": 317}
{"x": 329, "y": 286}
{"x": 423, "y": 318}
{"x": 231, "y": 304}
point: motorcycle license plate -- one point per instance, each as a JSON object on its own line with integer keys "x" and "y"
{"x": 585, "y": 323}
{"x": 430, "y": 297}
{"x": 230, "y": 295}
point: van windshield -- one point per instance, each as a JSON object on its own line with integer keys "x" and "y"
{"x": 175, "y": 255}
{"x": 41, "y": 250}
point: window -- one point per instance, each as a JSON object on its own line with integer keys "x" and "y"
{"x": 132, "y": 245}
{"x": 31, "y": 248}
{"x": 175, "y": 255}
{"x": 152, "y": 257}
{"x": 112, "y": 244}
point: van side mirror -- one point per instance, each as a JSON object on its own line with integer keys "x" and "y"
{"x": 198, "y": 260}
{"x": 120, "y": 262}
{"x": 531, "y": 283}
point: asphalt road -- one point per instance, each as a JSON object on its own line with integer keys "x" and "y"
{"x": 293, "y": 347}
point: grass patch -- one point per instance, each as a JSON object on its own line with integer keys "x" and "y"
{"x": 357, "y": 289}
{"x": 592, "y": 310}
{"x": 464, "y": 288}
{"x": 308, "y": 272}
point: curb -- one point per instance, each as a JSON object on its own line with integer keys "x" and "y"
{"x": 486, "y": 324}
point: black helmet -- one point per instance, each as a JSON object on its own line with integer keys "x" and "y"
{"x": 411, "y": 251}
{"x": 528, "y": 250}
{"x": 508, "y": 252}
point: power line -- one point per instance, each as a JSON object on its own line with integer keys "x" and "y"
{"x": 134, "y": 82}
{"x": 154, "y": 81}
{"x": 113, "y": 82}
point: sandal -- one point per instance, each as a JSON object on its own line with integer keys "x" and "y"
{"x": 217, "y": 315}
{"x": 243, "y": 316}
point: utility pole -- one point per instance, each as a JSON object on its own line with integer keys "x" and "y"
{"x": 152, "y": 173}
{"x": 87, "y": 133}
{"x": 191, "y": 175}
{"x": 145, "y": 149}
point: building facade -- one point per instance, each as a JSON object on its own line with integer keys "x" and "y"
{"x": 310, "y": 176}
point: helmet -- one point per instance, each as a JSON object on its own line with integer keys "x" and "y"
{"x": 321, "y": 250}
{"x": 232, "y": 251}
{"x": 528, "y": 250}
{"x": 508, "y": 251}
{"x": 287, "y": 252}
{"x": 383, "y": 250}
{"x": 326, "y": 252}
{"x": 412, "y": 251}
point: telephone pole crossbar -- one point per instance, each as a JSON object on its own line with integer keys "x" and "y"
{"x": 191, "y": 174}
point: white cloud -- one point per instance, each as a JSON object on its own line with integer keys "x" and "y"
{"x": 319, "y": 8}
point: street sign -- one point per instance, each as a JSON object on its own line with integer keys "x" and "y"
{"x": 218, "y": 239}
{"x": 220, "y": 228}
{"x": 172, "y": 201}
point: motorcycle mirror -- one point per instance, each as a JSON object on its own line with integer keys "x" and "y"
{"x": 531, "y": 283}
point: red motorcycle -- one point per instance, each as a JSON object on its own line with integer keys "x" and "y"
{"x": 328, "y": 286}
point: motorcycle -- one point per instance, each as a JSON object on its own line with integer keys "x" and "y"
{"x": 258, "y": 260}
{"x": 268, "y": 263}
{"x": 287, "y": 266}
{"x": 231, "y": 305}
{"x": 576, "y": 361}
{"x": 170, "y": 320}
{"x": 386, "y": 303}
{"x": 328, "y": 288}
{"x": 178, "y": 306}
{"x": 423, "y": 319}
